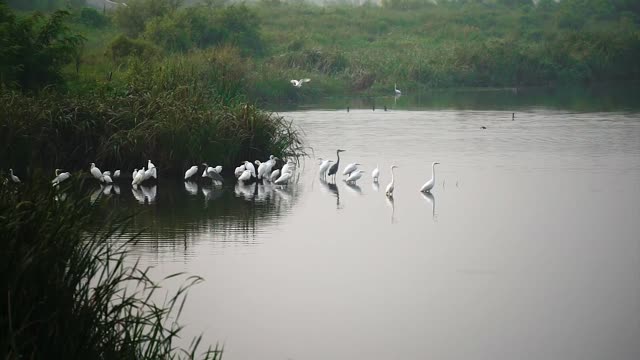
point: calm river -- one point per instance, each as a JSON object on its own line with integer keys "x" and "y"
{"x": 528, "y": 247}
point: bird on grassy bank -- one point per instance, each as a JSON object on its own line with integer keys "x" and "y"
{"x": 390, "y": 187}
{"x": 350, "y": 168}
{"x": 14, "y": 178}
{"x": 334, "y": 168}
{"x": 60, "y": 177}
{"x": 96, "y": 172}
{"x": 375, "y": 174}
{"x": 298, "y": 83}
{"x": 429, "y": 184}
{"x": 396, "y": 90}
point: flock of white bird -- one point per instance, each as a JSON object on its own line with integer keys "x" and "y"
{"x": 353, "y": 174}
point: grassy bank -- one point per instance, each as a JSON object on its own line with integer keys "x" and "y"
{"x": 67, "y": 291}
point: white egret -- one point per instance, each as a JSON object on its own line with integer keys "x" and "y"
{"x": 107, "y": 173}
{"x": 375, "y": 174}
{"x": 96, "y": 172}
{"x": 397, "y": 91}
{"x": 298, "y": 83}
{"x": 262, "y": 167}
{"x": 239, "y": 170}
{"x": 134, "y": 173}
{"x": 355, "y": 176}
{"x": 139, "y": 178}
{"x": 189, "y": 173}
{"x": 288, "y": 167}
{"x": 211, "y": 173}
{"x": 14, "y": 178}
{"x": 249, "y": 166}
{"x": 60, "y": 177}
{"x": 274, "y": 175}
{"x": 150, "y": 165}
{"x": 149, "y": 174}
{"x": 270, "y": 164}
{"x": 218, "y": 169}
{"x": 324, "y": 166}
{"x": 334, "y": 168}
{"x": 116, "y": 174}
{"x": 350, "y": 168}
{"x": 283, "y": 179}
{"x": 390, "y": 187}
{"x": 107, "y": 179}
{"x": 246, "y": 175}
{"x": 429, "y": 184}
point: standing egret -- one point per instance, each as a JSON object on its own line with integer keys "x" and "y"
{"x": 14, "y": 178}
{"x": 334, "y": 168}
{"x": 390, "y": 187}
{"x": 270, "y": 164}
{"x": 375, "y": 174}
{"x": 350, "y": 168}
{"x": 116, "y": 174}
{"x": 262, "y": 167}
{"x": 288, "y": 167}
{"x": 137, "y": 180}
{"x": 106, "y": 173}
{"x": 239, "y": 170}
{"x": 429, "y": 184}
{"x": 355, "y": 176}
{"x": 397, "y": 91}
{"x": 189, "y": 173}
{"x": 298, "y": 83}
{"x": 60, "y": 177}
{"x": 149, "y": 174}
{"x": 134, "y": 173}
{"x": 283, "y": 179}
{"x": 249, "y": 166}
{"x": 218, "y": 169}
{"x": 274, "y": 175}
{"x": 324, "y": 166}
{"x": 246, "y": 175}
{"x": 107, "y": 179}
{"x": 96, "y": 172}
{"x": 150, "y": 165}
{"x": 211, "y": 173}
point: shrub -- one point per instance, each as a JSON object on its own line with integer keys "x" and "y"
{"x": 122, "y": 47}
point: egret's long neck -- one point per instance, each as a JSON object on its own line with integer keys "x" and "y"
{"x": 57, "y": 172}
{"x": 338, "y": 153}
{"x": 433, "y": 172}
{"x": 392, "y": 180}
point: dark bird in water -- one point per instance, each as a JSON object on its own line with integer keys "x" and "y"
{"x": 347, "y": 109}
{"x": 513, "y": 116}
{"x": 334, "y": 168}
{"x": 385, "y": 108}
{"x": 483, "y": 127}
{"x": 374, "y": 108}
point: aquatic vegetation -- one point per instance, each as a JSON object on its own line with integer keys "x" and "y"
{"x": 69, "y": 290}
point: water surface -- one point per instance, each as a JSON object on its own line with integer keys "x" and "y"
{"x": 528, "y": 247}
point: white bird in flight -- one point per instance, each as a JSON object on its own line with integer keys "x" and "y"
{"x": 390, "y": 187}
{"x": 298, "y": 83}
{"x": 429, "y": 184}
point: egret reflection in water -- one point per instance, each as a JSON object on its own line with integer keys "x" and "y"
{"x": 391, "y": 203}
{"x": 191, "y": 187}
{"x": 432, "y": 201}
{"x": 333, "y": 189}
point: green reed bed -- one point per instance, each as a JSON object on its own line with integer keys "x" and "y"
{"x": 68, "y": 291}
{"x": 173, "y": 122}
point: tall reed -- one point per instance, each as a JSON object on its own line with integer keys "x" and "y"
{"x": 68, "y": 290}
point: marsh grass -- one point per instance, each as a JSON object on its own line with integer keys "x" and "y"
{"x": 70, "y": 292}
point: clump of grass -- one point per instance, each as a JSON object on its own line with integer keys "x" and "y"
{"x": 67, "y": 291}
